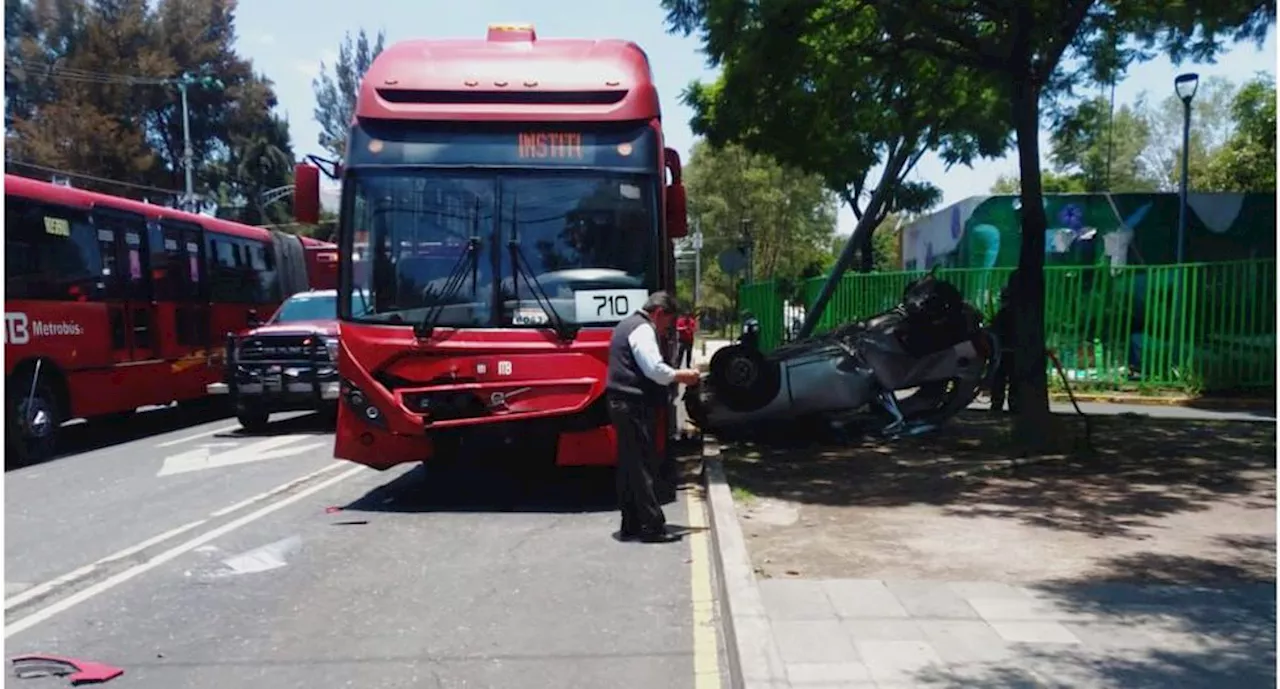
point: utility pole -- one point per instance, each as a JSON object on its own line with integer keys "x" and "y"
{"x": 697, "y": 264}
{"x": 188, "y": 156}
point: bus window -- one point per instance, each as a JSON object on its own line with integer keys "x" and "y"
{"x": 224, "y": 273}
{"x": 130, "y": 276}
{"x": 268, "y": 290}
{"x": 50, "y": 253}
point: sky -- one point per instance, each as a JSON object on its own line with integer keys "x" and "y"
{"x": 288, "y": 39}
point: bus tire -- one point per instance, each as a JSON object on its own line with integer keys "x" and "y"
{"x": 253, "y": 420}
{"x": 34, "y": 422}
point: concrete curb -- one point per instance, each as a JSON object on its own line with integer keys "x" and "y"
{"x": 755, "y": 661}
{"x": 1220, "y": 404}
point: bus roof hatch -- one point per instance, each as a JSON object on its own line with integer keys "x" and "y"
{"x": 511, "y": 33}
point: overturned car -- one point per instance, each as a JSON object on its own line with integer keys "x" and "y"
{"x": 853, "y": 378}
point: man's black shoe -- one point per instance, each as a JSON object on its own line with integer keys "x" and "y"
{"x": 657, "y": 534}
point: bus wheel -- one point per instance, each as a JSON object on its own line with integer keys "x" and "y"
{"x": 253, "y": 420}
{"x": 33, "y": 423}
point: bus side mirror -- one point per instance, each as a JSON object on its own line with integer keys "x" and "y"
{"x": 306, "y": 194}
{"x": 677, "y": 211}
{"x": 677, "y": 204}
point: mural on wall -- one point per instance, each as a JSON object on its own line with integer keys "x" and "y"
{"x": 1090, "y": 229}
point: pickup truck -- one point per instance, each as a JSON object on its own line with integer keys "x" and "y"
{"x": 289, "y": 363}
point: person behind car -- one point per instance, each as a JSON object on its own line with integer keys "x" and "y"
{"x": 686, "y": 326}
{"x": 750, "y": 331}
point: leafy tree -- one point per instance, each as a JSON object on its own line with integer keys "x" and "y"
{"x": 796, "y": 86}
{"x": 946, "y": 62}
{"x": 336, "y": 94}
{"x": 1247, "y": 161}
{"x": 1038, "y": 51}
{"x": 792, "y": 217}
{"x": 1102, "y": 150}
{"x": 1211, "y": 125}
{"x": 96, "y": 93}
{"x": 1051, "y": 182}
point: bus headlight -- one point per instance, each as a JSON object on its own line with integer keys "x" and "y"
{"x": 358, "y": 402}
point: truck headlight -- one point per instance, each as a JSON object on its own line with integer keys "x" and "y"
{"x": 331, "y": 346}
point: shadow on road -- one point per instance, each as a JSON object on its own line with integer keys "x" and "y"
{"x": 1144, "y": 469}
{"x": 1205, "y": 627}
{"x": 505, "y": 486}
{"x": 85, "y": 436}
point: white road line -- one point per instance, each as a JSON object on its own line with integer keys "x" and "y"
{"x": 274, "y": 491}
{"x": 180, "y": 549}
{"x": 197, "y": 436}
{"x": 37, "y": 591}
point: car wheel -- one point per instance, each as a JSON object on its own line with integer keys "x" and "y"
{"x": 253, "y": 420}
{"x": 744, "y": 380}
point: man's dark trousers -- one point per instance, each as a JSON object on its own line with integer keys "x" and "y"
{"x": 638, "y": 463}
{"x": 684, "y": 355}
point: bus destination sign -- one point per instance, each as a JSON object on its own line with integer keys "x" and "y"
{"x": 550, "y": 146}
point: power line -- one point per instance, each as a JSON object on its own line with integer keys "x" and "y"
{"x": 84, "y": 75}
{"x": 93, "y": 178}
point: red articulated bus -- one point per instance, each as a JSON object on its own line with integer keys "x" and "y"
{"x": 505, "y": 202}
{"x": 113, "y": 304}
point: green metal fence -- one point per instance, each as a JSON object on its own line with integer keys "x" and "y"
{"x": 1193, "y": 327}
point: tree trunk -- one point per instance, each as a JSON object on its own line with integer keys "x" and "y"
{"x": 868, "y": 262}
{"x": 1031, "y": 423}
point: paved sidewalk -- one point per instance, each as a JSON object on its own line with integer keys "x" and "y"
{"x": 871, "y": 633}
{"x": 899, "y": 634}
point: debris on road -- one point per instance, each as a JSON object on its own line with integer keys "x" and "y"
{"x": 80, "y": 671}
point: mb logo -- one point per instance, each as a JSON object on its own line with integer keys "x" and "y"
{"x": 15, "y": 329}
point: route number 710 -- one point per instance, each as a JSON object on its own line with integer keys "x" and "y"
{"x": 616, "y": 305}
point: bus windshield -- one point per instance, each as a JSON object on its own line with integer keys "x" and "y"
{"x": 497, "y": 249}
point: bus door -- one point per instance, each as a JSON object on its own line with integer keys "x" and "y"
{"x": 183, "y": 288}
{"x": 122, "y": 238}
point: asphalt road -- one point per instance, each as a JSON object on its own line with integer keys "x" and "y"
{"x": 202, "y": 557}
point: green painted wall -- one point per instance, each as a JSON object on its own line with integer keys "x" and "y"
{"x": 1085, "y": 229}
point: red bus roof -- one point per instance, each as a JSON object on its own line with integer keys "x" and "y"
{"x": 80, "y": 198}
{"x": 510, "y": 75}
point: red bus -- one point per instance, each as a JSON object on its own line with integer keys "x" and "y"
{"x": 112, "y": 304}
{"x": 505, "y": 203}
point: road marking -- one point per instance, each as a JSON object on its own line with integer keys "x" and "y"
{"x": 706, "y": 652}
{"x": 278, "y": 489}
{"x": 120, "y": 577}
{"x": 12, "y": 602}
{"x": 198, "y": 436}
{"x": 204, "y": 457}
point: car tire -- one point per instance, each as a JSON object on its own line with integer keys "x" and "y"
{"x": 253, "y": 420}
{"x": 744, "y": 379}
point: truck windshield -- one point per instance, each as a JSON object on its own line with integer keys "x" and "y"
{"x": 307, "y": 307}
{"x": 437, "y": 245}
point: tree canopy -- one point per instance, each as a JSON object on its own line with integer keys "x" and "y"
{"x": 940, "y": 64}
{"x": 791, "y": 216}
{"x": 1247, "y": 160}
{"x": 92, "y": 90}
{"x": 336, "y": 94}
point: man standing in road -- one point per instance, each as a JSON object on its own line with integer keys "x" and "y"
{"x": 638, "y": 386}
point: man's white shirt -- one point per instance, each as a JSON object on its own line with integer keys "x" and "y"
{"x": 648, "y": 356}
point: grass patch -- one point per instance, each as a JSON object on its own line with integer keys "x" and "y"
{"x": 742, "y": 495}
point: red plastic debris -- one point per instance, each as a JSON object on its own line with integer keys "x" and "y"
{"x": 80, "y": 671}
{"x": 331, "y": 510}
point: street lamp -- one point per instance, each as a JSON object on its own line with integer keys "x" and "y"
{"x": 184, "y": 82}
{"x": 1185, "y": 86}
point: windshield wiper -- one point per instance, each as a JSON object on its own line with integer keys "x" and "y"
{"x": 520, "y": 268}
{"x": 468, "y": 262}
